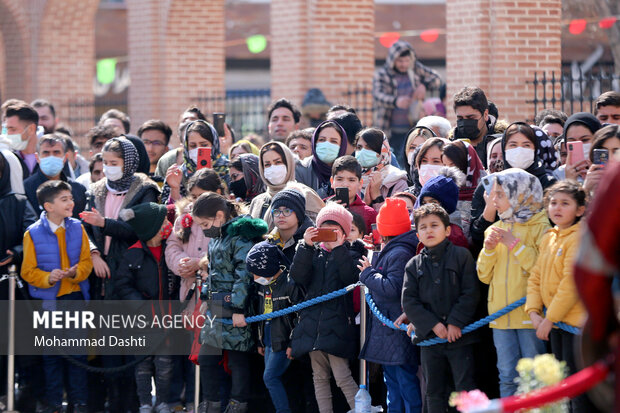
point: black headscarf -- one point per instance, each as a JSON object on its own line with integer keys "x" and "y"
{"x": 251, "y": 175}
{"x": 144, "y": 164}
{"x": 587, "y": 119}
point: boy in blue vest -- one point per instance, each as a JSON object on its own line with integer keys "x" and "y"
{"x": 56, "y": 266}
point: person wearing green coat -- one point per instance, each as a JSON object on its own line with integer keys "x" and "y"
{"x": 226, "y": 291}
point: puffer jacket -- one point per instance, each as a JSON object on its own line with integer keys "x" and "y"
{"x": 140, "y": 276}
{"x": 385, "y": 345}
{"x": 440, "y": 287}
{"x": 551, "y": 282}
{"x": 228, "y": 274}
{"x": 141, "y": 190}
{"x": 330, "y": 325}
{"x": 507, "y": 272}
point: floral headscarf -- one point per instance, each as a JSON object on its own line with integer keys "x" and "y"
{"x": 219, "y": 163}
{"x": 130, "y": 166}
{"x": 524, "y": 192}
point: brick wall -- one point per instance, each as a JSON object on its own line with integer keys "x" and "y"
{"x": 327, "y": 44}
{"x": 175, "y": 53}
{"x": 499, "y": 48}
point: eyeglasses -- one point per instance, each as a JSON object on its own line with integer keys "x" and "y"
{"x": 286, "y": 212}
{"x": 154, "y": 143}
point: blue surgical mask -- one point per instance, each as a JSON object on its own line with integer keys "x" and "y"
{"x": 367, "y": 158}
{"x": 327, "y": 151}
{"x": 51, "y": 165}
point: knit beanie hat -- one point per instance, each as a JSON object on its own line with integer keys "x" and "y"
{"x": 293, "y": 199}
{"x": 337, "y": 213}
{"x": 264, "y": 259}
{"x": 145, "y": 219}
{"x": 393, "y": 218}
{"x": 443, "y": 189}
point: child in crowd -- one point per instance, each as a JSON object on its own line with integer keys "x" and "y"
{"x": 228, "y": 290}
{"x": 444, "y": 190}
{"x": 275, "y": 291}
{"x": 143, "y": 274}
{"x": 288, "y": 211}
{"x": 551, "y": 282}
{"x": 440, "y": 295}
{"x": 388, "y": 347}
{"x": 510, "y": 251}
{"x": 56, "y": 266}
{"x": 327, "y": 330}
{"x": 358, "y": 228}
{"x": 347, "y": 173}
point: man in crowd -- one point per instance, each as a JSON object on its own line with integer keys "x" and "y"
{"x": 283, "y": 118}
{"x": 607, "y": 107}
{"x": 21, "y": 126}
{"x": 155, "y": 135}
{"x": 47, "y": 114}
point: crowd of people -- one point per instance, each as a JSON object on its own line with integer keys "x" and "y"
{"x": 462, "y": 220}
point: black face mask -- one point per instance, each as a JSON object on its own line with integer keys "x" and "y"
{"x": 466, "y": 129}
{"x": 239, "y": 188}
{"x": 212, "y": 232}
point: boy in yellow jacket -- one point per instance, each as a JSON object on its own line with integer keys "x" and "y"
{"x": 510, "y": 251}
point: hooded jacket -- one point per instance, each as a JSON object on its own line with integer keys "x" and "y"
{"x": 228, "y": 274}
{"x": 551, "y": 283}
{"x": 140, "y": 276}
{"x": 330, "y": 325}
{"x": 384, "y": 84}
{"x": 384, "y": 280}
{"x": 507, "y": 271}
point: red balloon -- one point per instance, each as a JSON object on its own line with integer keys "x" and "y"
{"x": 607, "y": 22}
{"x": 389, "y": 38}
{"x": 430, "y": 35}
{"x": 577, "y": 26}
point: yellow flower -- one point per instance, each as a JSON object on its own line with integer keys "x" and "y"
{"x": 525, "y": 365}
{"x": 547, "y": 369}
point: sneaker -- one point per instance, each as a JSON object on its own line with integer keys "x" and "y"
{"x": 162, "y": 408}
{"x": 145, "y": 408}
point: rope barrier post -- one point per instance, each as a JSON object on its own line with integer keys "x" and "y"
{"x": 363, "y": 321}
{"x": 10, "y": 393}
{"x": 198, "y": 286}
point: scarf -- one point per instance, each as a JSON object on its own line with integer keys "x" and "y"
{"x": 189, "y": 166}
{"x": 130, "y": 161}
{"x": 251, "y": 175}
{"x": 475, "y": 171}
{"x": 322, "y": 170}
{"x": 545, "y": 149}
{"x": 289, "y": 160}
{"x": 524, "y": 192}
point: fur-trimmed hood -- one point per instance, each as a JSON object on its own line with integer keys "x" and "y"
{"x": 246, "y": 227}
{"x": 141, "y": 183}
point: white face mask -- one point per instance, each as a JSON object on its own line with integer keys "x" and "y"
{"x": 276, "y": 174}
{"x": 262, "y": 281}
{"x": 193, "y": 155}
{"x": 428, "y": 171}
{"x": 113, "y": 173}
{"x": 586, "y": 150}
{"x": 17, "y": 144}
{"x": 520, "y": 157}
{"x": 410, "y": 157}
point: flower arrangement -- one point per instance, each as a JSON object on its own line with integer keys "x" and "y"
{"x": 541, "y": 371}
{"x": 534, "y": 374}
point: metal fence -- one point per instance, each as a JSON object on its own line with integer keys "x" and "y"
{"x": 572, "y": 91}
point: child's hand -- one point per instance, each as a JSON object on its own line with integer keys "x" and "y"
{"x": 56, "y": 275}
{"x": 542, "y": 332}
{"x": 93, "y": 217}
{"x": 374, "y": 186}
{"x": 489, "y": 208}
{"x": 410, "y": 329}
{"x": 99, "y": 265}
{"x": 261, "y": 351}
{"x": 309, "y": 234}
{"x": 9, "y": 258}
{"x": 289, "y": 352}
{"x": 505, "y": 236}
{"x": 536, "y": 319}
{"x": 71, "y": 272}
{"x": 368, "y": 242}
{"x": 454, "y": 333}
{"x": 364, "y": 263}
{"x": 174, "y": 176}
{"x": 239, "y": 320}
{"x": 402, "y": 319}
{"x": 440, "y": 330}
{"x": 340, "y": 239}
{"x": 491, "y": 241}
{"x": 188, "y": 267}
{"x": 593, "y": 177}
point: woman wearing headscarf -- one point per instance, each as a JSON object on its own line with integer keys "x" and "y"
{"x": 276, "y": 167}
{"x": 240, "y": 147}
{"x": 329, "y": 143}
{"x": 495, "y": 160}
{"x": 415, "y": 138}
{"x": 519, "y": 150}
{"x": 579, "y": 127}
{"x": 197, "y": 134}
{"x": 379, "y": 178}
{"x": 245, "y": 181}
{"x": 463, "y": 156}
